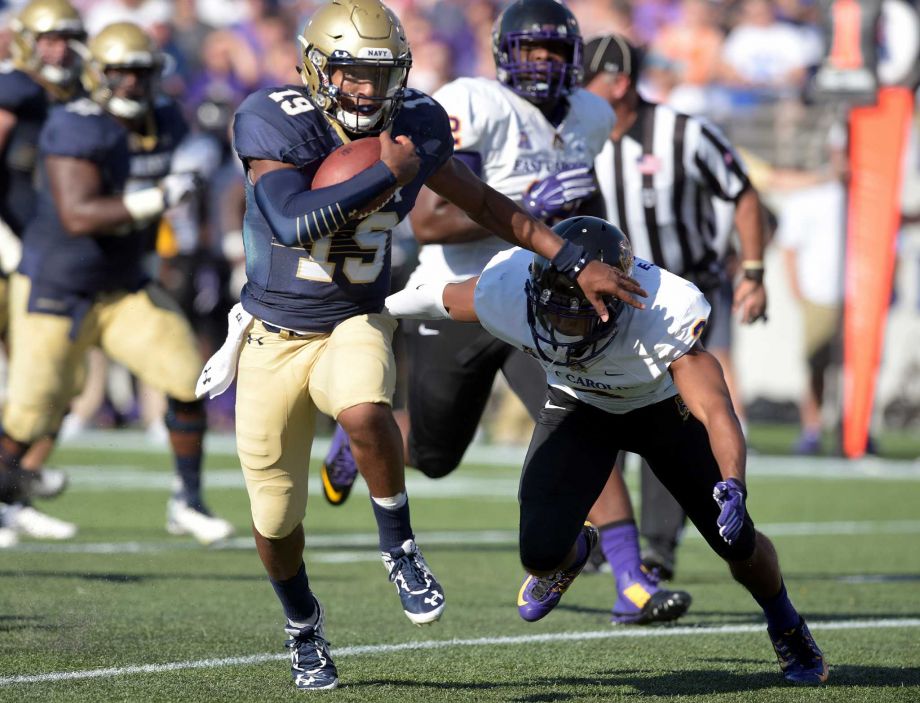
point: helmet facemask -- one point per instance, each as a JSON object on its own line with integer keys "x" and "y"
{"x": 562, "y": 318}
{"x": 62, "y": 74}
{"x": 539, "y": 81}
{"x": 139, "y": 100}
{"x": 121, "y": 68}
{"x": 362, "y": 94}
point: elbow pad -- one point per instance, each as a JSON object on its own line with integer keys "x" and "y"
{"x": 299, "y": 216}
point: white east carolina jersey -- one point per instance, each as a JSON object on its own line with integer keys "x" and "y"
{"x": 518, "y": 147}
{"x": 632, "y": 372}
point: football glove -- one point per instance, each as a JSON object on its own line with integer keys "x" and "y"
{"x": 179, "y": 187}
{"x": 552, "y": 195}
{"x": 730, "y": 496}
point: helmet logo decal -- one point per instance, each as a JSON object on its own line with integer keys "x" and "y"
{"x": 372, "y": 52}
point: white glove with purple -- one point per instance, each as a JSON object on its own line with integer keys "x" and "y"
{"x": 551, "y": 196}
{"x": 730, "y": 496}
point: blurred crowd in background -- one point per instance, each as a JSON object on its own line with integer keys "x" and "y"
{"x": 743, "y": 63}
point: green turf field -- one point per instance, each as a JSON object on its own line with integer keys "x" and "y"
{"x": 127, "y": 613}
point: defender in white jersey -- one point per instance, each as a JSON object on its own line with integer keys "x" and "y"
{"x": 639, "y": 381}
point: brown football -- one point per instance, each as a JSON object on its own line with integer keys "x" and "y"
{"x": 349, "y": 160}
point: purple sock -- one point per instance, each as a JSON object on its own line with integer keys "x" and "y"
{"x": 780, "y": 613}
{"x": 620, "y": 545}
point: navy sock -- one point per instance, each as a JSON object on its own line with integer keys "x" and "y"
{"x": 780, "y": 613}
{"x": 393, "y": 525}
{"x": 295, "y": 596}
{"x": 189, "y": 470}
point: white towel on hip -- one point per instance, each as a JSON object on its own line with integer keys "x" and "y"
{"x": 220, "y": 370}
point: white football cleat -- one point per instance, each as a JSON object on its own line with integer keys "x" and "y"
{"x": 48, "y": 483}
{"x": 28, "y": 521}
{"x": 8, "y": 538}
{"x": 185, "y": 519}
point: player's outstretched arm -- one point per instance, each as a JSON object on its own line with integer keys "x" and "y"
{"x": 435, "y": 301}
{"x": 698, "y": 376}
{"x": 497, "y": 213}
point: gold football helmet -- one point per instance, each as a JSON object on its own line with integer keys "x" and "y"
{"x": 47, "y": 17}
{"x": 365, "y": 43}
{"x": 125, "y": 48}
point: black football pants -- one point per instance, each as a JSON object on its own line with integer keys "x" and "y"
{"x": 570, "y": 457}
{"x": 452, "y": 367}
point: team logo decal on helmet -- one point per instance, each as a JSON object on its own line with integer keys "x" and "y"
{"x": 363, "y": 38}
{"x": 528, "y": 22}
{"x": 565, "y": 326}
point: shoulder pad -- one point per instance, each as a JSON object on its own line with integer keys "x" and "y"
{"x": 281, "y": 124}
{"x": 17, "y": 89}
{"x": 80, "y": 129}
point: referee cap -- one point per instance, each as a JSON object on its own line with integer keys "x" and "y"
{"x": 610, "y": 53}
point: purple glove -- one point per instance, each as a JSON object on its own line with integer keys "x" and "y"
{"x": 549, "y": 197}
{"x": 730, "y": 496}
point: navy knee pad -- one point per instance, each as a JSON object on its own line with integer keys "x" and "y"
{"x": 185, "y": 417}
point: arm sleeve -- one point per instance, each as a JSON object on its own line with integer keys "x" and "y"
{"x": 298, "y": 215}
{"x": 716, "y": 164}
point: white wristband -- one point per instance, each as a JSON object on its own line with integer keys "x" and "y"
{"x": 145, "y": 204}
{"x": 423, "y": 302}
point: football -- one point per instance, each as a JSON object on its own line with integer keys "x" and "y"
{"x": 349, "y": 160}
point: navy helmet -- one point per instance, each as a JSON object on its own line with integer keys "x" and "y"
{"x": 559, "y": 314}
{"x": 537, "y": 22}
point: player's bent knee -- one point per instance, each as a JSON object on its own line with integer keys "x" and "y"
{"x": 274, "y": 525}
{"x": 29, "y": 424}
{"x": 435, "y": 465}
{"x": 742, "y": 549}
{"x": 542, "y": 558}
{"x": 183, "y": 416}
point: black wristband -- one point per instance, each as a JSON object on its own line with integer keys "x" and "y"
{"x": 755, "y": 275}
{"x": 570, "y": 260}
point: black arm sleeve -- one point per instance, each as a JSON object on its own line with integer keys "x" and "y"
{"x": 298, "y": 215}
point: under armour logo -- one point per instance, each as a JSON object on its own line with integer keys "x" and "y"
{"x": 258, "y": 340}
{"x": 434, "y": 598}
{"x": 207, "y": 379}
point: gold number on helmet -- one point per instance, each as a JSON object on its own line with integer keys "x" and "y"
{"x": 297, "y": 105}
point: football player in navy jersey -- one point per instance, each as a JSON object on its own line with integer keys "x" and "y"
{"x": 311, "y": 333}
{"x": 44, "y": 70}
{"x": 82, "y": 283}
{"x": 641, "y": 382}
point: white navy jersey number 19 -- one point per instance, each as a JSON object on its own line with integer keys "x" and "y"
{"x": 296, "y": 105}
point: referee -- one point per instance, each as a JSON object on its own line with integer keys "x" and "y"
{"x": 672, "y": 183}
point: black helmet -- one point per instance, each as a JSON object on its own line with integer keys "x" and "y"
{"x": 558, "y": 313}
{"x": 531, "y": 21}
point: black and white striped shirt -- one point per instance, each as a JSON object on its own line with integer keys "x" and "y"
{"x": 670, "y": 183}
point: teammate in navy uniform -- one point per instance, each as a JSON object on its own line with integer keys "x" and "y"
{"x": 640, "y": 381}
{"x": 82, "y": 283}
{"x": 44, "y": 69}
{"x": 311, "y": 332}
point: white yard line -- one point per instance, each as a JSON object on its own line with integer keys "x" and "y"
{"x": 513, "y": 456}
{"x": 368, "y": 540}
{"x": 372, "y": 649}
